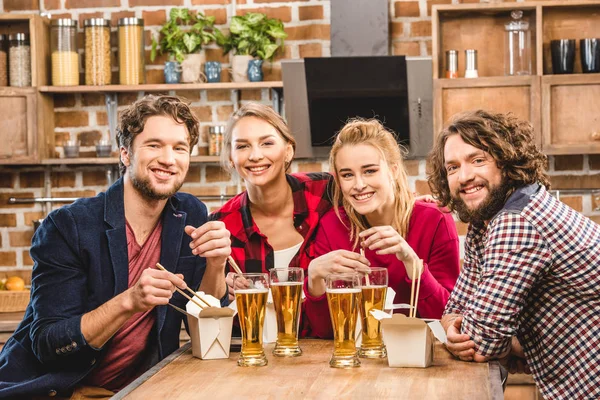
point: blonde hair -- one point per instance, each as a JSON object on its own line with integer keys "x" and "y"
{"x": 260, "y": 111}
{"x": 372, "y": 132}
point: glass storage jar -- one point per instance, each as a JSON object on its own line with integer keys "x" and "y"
{"x": 19, "y": 60}
{"x": 97, "y": 51}
{"x": 131, "y": 51}
{"x": 3, "y": 61}
{"x": 517, "y": 46}
{"x": 63, "y": 48}
{"x": 215, "y": 140}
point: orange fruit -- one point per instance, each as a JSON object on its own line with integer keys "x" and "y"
{"x": 15, "y": 283}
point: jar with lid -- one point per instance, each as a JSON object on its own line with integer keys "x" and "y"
{"x": 3, "y": 60}
{"x": 131, "y": 51}
{"x": 97, "y": 51}
{"x": 517, "y": 46}
{"x": 215, "y": 140}
{"x": 19, "y": 60}
{"x": 64, "y": 55}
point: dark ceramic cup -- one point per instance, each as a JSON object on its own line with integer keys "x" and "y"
{"x": 563, "y": 56}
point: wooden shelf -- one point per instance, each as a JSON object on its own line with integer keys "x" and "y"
{"x": 488, "y": 81}
{"x": 114, "y": 160}
{"x": 162, "y": 87}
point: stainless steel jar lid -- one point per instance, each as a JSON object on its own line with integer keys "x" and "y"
{"x": 131, "y": 21}
{"x": 67, "y": 22}
{"x": 20, "y": 37}
{"x": 96, "y": 22}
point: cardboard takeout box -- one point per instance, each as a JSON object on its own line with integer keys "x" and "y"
{"x": 210, "y": 329}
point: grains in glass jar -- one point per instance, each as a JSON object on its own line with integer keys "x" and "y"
{"x": 19, "y": 60}
{"x": 97, "y": 51}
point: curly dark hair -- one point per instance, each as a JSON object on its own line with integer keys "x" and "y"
{"x": 507, "y": 139}
{"x": 135, "y": 116}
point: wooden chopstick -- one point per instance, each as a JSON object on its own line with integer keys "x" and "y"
{"x": 194, "y": 294}
{"x": 412, "y": 293}
{"x": 367, "y": 280}
{"x": 418, "y": 287}
{"x": 234, "y": 265}
{"x": 181, "y": 310}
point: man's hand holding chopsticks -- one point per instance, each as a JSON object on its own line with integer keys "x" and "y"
{"x": 154, "y": 288}
{"x": 212, "y": 242}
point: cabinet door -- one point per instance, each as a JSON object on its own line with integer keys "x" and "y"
{"x": 18, "y": 126}
{"x": 571, "y": 114}
{"x": 517, "y": 95}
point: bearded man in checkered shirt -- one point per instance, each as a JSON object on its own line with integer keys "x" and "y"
{"x": 529, "y": 290}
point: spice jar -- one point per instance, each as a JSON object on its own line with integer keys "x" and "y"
{"x": 63, "y": 47}
{"x": 452, "y": 64}
{"x": 97, "y": 51}
{"x": 3, "y": 61}
{"x": 215, "y": 140}
{"x": 471, "y": 63}
{"x": 131, "y": 51}
{"x": 19, "y": 60}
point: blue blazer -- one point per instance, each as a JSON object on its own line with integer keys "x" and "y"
{"x": 81, "y": 262}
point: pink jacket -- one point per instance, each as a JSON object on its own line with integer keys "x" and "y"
{"x": 432, "y": 235}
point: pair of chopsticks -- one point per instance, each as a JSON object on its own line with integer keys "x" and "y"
{"x": 414, "y": 298}
{"x": 190, "y": 291}
{"x": 367, "y": 280}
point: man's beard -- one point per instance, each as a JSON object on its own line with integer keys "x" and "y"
{"x": 489, "y": 207}
{"x": 143, "y": 186}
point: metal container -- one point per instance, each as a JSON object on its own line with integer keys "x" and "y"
{"x": 19, "y": 60}
{"x": 63, "y": 47}
{"x": 131, "y": 51}
{"x": 471, "y": 63}
{"x": 97, "y": 51}
{"x": 215, "y": 140}
{"x": 452, "y": 64}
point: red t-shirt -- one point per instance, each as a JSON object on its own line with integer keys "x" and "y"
{"x": 127, "y": 349}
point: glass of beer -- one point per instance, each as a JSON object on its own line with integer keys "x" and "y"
{"x": 343, "y": 297}
{"x": 251, "y": 292}
{"x": 286, "y": 286}
{"x": 373, "y": 291}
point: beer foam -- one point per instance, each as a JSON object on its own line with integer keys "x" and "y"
{"x": 343, "y": 290}
{"x": 373, "y": 287}
{"x": 286, "y": 284}
{"x": 251, "y": 291}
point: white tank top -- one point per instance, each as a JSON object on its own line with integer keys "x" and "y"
{"x": 283, "y": 257}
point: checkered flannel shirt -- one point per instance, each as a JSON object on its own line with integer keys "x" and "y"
{"x": 251, "y": 249}
{"x": 534, "y": 272}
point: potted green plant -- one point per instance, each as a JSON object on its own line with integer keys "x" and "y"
{"x": 253, "y": 37}
{"x": 182, "y": 36}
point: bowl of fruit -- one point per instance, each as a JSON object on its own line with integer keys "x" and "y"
{"x": 14, "y": 296}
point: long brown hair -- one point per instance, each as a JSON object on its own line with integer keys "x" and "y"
{"x": 260, "y": 111}
{"x": 134, "y": 118}
{"x": 372, "y": 132}
{"x": 508, "y": 140}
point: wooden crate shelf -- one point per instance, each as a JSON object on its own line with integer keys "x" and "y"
{"x": 162, "y": 87}
{"x": 562, "y": 108}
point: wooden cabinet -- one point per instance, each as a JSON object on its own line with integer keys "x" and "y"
{"x": 562, "y": 108}
{"x": 24, "y": 117}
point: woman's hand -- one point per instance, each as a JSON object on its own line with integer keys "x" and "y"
{"x": 386, "y": 240}
{"x": 334, "y": 262}
{"x": 240, "y": 283}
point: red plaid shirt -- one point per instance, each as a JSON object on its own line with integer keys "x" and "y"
{"x": 251, "y": 249}
{"x": 534, "y": 272}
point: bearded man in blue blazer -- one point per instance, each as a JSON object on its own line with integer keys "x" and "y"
{"x": 98, "y": 316}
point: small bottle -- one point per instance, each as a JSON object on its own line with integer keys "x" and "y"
{"x": 452, "y": 64}
{"x": 471, "y": 63}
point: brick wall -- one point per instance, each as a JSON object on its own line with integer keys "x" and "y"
{"x": 83, "y": 116}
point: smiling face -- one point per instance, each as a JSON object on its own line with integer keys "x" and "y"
{"x": 158, "y": 159}
{"x": 474, "y": 179}
{"x": 258, "y": 152}
{"x": 366, "y": 181}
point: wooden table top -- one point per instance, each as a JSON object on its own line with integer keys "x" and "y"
{"x": 182, "y": 376}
